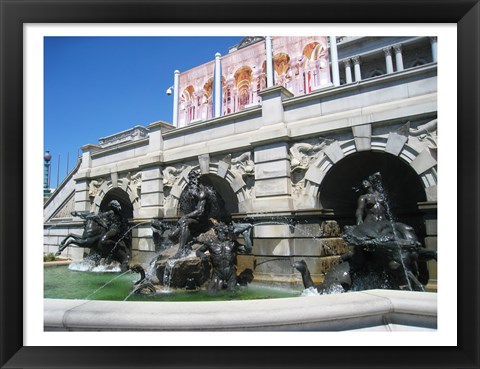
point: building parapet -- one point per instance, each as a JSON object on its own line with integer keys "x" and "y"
{"x": 126, "y": 145}
{"x": 132, "y": 134}
{"x": 230, "y": 118}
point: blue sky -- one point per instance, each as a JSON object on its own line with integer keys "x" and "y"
{"x": 98, "y": 86}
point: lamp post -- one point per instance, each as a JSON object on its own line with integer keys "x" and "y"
{"x": 46, "y": 173}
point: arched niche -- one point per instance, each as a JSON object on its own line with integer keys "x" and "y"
{"x": 403, "y": 185}
{"x": 225, "y": 202}
{"x": 122, "y": 197}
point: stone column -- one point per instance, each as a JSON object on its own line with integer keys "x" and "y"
{"x": 388, "y": 59}
{"x": 175, "y": 98}
{"x": 269, "y": 56}
{"x": 433, "y": 42}
{"x": 398, "y": 56}
{"x": 348, "y": 70}
{"x": 334, "y": 60}
{"x": 356, "y": 66}
{"x": 218, "y": 86}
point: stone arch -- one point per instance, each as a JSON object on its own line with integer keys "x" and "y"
{"x": 124, "y": 192}
{"x": 119, "y": 194}
{"x": 403, "y": 186}
{"x": 421, "y": 161}
{"x": 122, "y": 197}
{"x": 220, "y": 172}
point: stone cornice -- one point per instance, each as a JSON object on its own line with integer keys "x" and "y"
{"x": 230, "y": 118}
{"x": 160, "y": 124}
{"x": 129, "y": 135}
{"x": 276, "y": 89}
{"x": 120, "y": 147}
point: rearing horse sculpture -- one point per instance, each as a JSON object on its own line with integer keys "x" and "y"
{"x": 104, "y": 234}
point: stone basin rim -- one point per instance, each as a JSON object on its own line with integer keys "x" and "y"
{"x": 371, "y": 309}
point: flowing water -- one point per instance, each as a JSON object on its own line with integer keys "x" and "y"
{"x": 168, "y": 272}
{"x": 391, "y": 219}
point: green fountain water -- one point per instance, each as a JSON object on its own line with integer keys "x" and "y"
{"x": 63, "y": 283}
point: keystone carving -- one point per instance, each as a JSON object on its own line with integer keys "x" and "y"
{"x": 303, "y": 154}
{"x": 134, "y": 182}
{"x": 171, "y": 174}
{"x": 94, "y": 186}
{"x": 244, "y": 164}
{"x": 426, "y": 132}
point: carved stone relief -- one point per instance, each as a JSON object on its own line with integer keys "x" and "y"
{"x": 173, "y": 178}
{"x": 243, "y": 164}
{"x": 171, "y": 174}
{"x": 302, "y": 155}
{"x": 135, "y": 183}
{"x": 426, "y": 133}
{"x": 94, "y": 186}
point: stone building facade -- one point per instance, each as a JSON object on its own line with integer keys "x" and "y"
{"x": 288, "y": 161}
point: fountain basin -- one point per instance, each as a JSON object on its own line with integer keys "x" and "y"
{"x": 371, "y": 310}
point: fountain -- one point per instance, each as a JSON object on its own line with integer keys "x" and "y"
{"x": 383, "y": 253}
{"x": 196, "y": 260}
{"x": 200, "y": 250}
{"x": 181, "y": 261}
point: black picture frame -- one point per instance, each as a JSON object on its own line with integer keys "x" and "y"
{"x": 15, "y": 13}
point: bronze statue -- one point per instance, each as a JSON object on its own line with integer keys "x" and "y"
{"x": 160, "y": 239}
{"x": 143, "y": 286}
{"x": 196, "y": 220}
{"x": 106, "y": 234}
{"x": 336, "y": 280}
{"x": 371, "y": 206}
{"x": 223, "y": 249}
{"x": 383, "y": 253}
{"x": 383, "y": 248}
